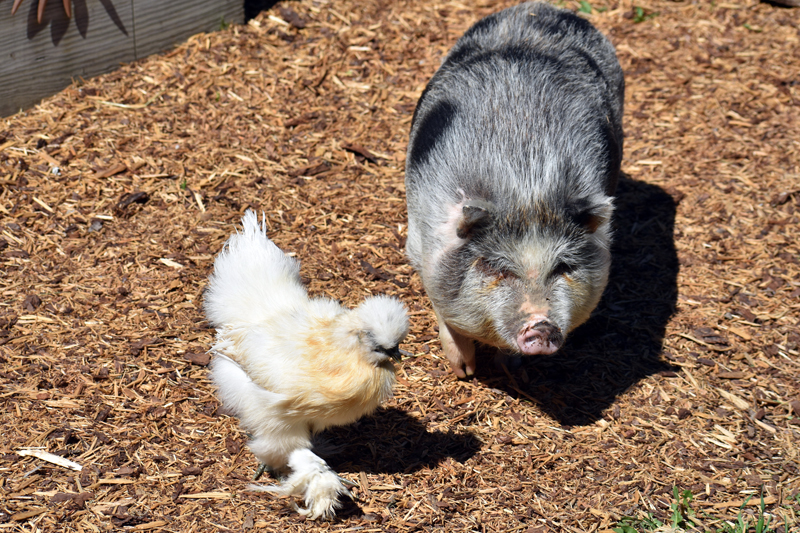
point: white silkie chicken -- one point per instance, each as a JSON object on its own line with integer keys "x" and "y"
{"x": 289, "y": 366}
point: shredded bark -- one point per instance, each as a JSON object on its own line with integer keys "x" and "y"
{"x": 116, "y": 194}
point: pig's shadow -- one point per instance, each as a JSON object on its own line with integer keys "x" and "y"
{"x": 622, "y": 342}
{"x": 391, "y": 441}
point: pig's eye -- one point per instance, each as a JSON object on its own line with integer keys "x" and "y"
{"x": 561, "y": 269}
{"x": 494, "y": 271}
{"x": 507, "y": 274}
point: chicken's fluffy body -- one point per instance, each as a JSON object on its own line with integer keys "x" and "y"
{"x": 288, "y": 366}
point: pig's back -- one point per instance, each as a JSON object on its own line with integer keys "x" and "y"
{"x": 526, "y": 108}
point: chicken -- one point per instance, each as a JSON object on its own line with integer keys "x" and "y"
{"x": 289, "y": 366}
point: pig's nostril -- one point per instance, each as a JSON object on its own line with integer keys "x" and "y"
{"x": 533, "y": 337}
{"x": 539, "y": 338}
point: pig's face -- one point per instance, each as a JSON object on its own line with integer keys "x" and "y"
{"x": 523, "y": 282}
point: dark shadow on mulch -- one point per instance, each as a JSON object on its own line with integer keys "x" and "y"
{"x": 253, "y": 7}
{"x": 785, "y": 4}
{"x": 622, "y": 342}
{"x": 391, "y": 442}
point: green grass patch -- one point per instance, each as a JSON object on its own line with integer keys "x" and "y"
{"x": 684, "y": 518}
{"x": 640, "y": 15}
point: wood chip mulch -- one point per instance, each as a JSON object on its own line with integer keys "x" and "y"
{"x": 116, "y": 194}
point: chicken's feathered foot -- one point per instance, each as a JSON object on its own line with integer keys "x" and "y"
{"x": 312, "y": 478}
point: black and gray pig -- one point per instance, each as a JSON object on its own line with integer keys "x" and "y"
{"x": 513, "y": 160}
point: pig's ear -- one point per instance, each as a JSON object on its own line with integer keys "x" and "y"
{"x": 591, "y": 216}
{"x": 474, "y": 215}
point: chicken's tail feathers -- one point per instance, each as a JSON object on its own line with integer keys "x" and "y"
{"x": 253, "y": 279}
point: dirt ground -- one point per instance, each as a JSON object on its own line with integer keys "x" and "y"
{"x": 116, "y": 194}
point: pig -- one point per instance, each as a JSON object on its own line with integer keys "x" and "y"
{"x": 513, "y": 160}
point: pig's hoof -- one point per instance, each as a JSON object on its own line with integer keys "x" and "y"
{"x": 469, "y": 369}
{"x": 463, "y": 370}
{"x": 458, "y": 370}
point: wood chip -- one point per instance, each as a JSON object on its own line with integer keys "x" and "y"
{"x": 156, "y": 524}
{"x": 50, "y": 458}
{"x": 209, "y": 495}
{"x": 755, "y": 501}
{"x": 170, "y": 263}
{"x": 735, "y": 400}
{"x": 36, "y": 511}
{"x": 111, "y": 171}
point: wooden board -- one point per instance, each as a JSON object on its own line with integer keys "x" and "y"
{"x": 37, "y": 60}
{"x": 160, "y": 24}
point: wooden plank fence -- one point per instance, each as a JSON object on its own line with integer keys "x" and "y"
{"x": 38, "y": 60}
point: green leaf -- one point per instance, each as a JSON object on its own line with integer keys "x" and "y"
{"x": 586, "y": 7}
{"x": 640, "y": 16}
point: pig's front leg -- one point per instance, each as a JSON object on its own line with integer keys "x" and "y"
{"x": 458, "y": 349}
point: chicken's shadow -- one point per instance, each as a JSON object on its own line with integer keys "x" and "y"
{"x": 391, "y": 442}
{"x": 622, "y": 342}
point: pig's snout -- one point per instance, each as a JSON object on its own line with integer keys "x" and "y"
{"x": 539, "y": 337}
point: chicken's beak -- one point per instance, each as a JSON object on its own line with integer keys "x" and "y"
{"x": 395, "y": 353}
